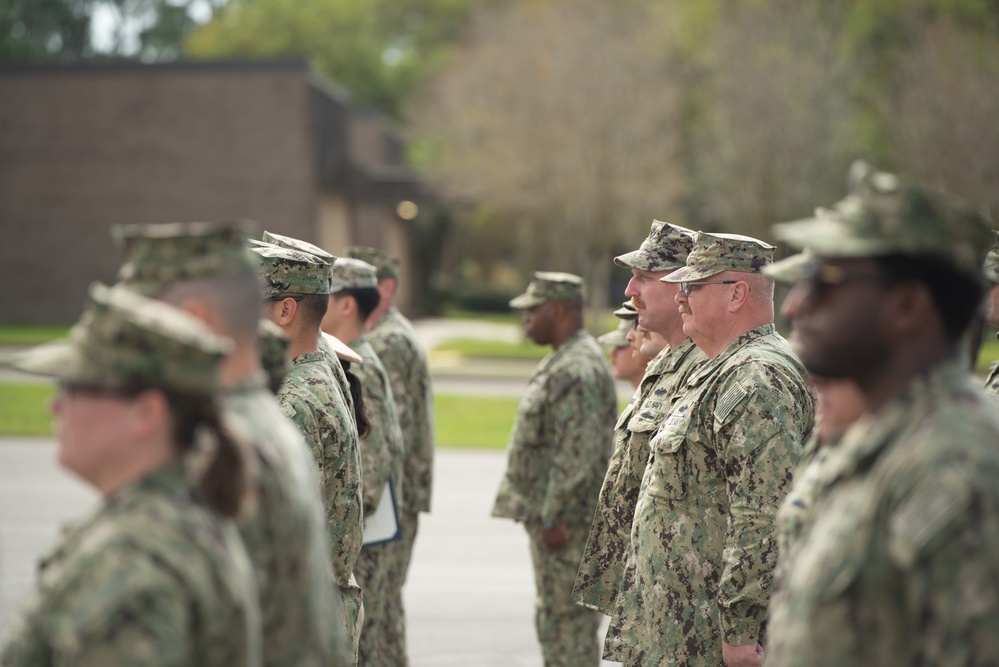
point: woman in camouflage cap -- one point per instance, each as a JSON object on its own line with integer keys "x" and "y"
{"x": 157, "y": 575}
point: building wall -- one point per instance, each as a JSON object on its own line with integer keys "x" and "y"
{"x": 84, "y": 148}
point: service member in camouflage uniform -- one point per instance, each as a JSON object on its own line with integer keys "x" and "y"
{"x": 392, "y": 336}
{"x": 331, "y": 348}
{"x": 627, "y": 363}
{"x": 158, "y": 574}
{"x": 296, "y": 288}
{"x": 557, "y": 457}
{"x": 353, "y": 295}
{"x": 207, "y": 270}
{"x": 991, "y": 270}
{"x": 719, "y": 466}
{"x": 605, "y": 566}
{"x": 896, "y": 559}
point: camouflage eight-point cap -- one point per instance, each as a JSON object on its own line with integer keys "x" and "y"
{"x": 298, "y": 244}
{"x": 665, "y": 249}
{"x": 155, "y": 256}
{"x": 289, "y": 271}
{"x": 386, "y": 264}
{"x": 350, "y": 273}
{"x": 716, "y": 253}
{"x": 619, "y": 336}
{"x": 626, "y": 311}
{"x": 124, "y": 338}
{"x": 883, "y": 214}
{"x": 551, "y": 286}
{"x": 991, "y": 266}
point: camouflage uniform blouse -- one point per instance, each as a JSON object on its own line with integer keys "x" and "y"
{"x": 309, "y": 398}
{"x": 600, "y": 572}
{"x": 382, "y": 450}
{"x": 718, "y": 468}
{"x": 342, "y": 385}
{"x": 152, "y": 579}
{"x": 285, "y": 537}
{"x": 562, "y": 438}
{"x": 891, "y": 558}
{"x": 992, "y": 380}
{"x": 395, "y": 343}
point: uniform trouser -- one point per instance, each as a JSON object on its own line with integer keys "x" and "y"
{"x": 567, "y": 631}
{"x": 399, "y": 556}
{"x": 371, "y": 570}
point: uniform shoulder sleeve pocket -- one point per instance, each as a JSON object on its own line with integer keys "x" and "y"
{"x": 921, "y": 522}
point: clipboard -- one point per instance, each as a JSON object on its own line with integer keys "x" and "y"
{"x": 383, "y": 525}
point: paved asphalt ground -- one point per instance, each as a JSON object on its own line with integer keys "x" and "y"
{"x": 470, "y": 592}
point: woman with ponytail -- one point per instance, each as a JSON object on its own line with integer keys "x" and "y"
{"x": 157, "y": 575}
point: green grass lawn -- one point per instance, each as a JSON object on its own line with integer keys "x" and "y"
{"x": 473, "y": 422}
{"x": 493, "y": 350}
{"x": 24, "y": 408}
{"x": 25, "y": 334}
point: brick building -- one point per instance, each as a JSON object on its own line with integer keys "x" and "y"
{"x": 83, "y": 147}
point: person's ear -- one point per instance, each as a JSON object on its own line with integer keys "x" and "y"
{"x": 740, "y": 294}
{"x": 286, "y": 309}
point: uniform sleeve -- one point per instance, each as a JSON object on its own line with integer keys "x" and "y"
{"x": 582, "y": 440}
{"x": 943, "y": 539}
{"x": 761, "y": 419}
{"x": 127, "y": 612}
{"x": 377, "y": 447}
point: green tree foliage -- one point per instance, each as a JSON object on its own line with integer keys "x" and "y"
{"x": 378, "y": 49}
{"x": 38, "y": 30}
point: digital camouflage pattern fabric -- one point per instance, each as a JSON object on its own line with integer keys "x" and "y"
{"x": 884, "y": 214}
{"x": 602, "y": 568}
{"x": 288, "y": 271}
{"x": 719, "y": 466}
{"x": 350, "y": 273}
{"x": 123, "y": 337}
{"x": 383, "y": 455}
{"x": 665, "y": 249}
{"x": 151, "y": 578}
{"x": 557, "y": 457}
{"x": 310, "y": 400}
{"x": 550, "y": 286}
{"x": 395, "y": 343}
{"x": 386, "y": 264}
{"x": 340, "y": 377}
{"x": 716, "y": 253}
{"x": 891, "y": 558}
{"x": 156, "y": 256}
{"x": 285, "y": 537}
{"x": 992, "y": 380}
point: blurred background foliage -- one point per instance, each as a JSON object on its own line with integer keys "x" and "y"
{"x": 554, "y": 131}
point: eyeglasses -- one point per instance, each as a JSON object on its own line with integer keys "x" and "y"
{"x": 687, "y": 288}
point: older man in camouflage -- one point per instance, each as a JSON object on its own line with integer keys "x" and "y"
{"x": 557, "y": 457}
{"x": 895, "y": 560}
{"x": 353, "y": 295}
{"x": 296, "y": 290}
{"x": 605, "y": 567}
{"x": 206, "y": 269}
{"x": 719, "y": 465}
{"x": 991, "y": 271}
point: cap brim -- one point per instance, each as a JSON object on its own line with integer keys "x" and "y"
{"x": 626, "y": 314}
{"x": 613, "y": 339}
{"x": 343, "y": 351}
{"x": 791, "y": 269}
{"x": 59, "y": 359}
{"x": 643, "y": 261}
{"x": 525, "y": 301}
{"x": 829, "y": 237}
{"x": 689, "y": 273}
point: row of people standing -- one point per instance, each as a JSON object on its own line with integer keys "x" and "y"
{"x": 276, "y": 572}
{"x": 724, "y": 529}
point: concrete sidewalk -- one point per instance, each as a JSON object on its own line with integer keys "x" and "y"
{"x": 470, "y": 592}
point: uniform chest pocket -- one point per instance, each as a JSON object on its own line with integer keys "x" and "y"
{"x": 529, "y": 428}
{"x": 834, "y": 551}
{"x": 667, "y": 471}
